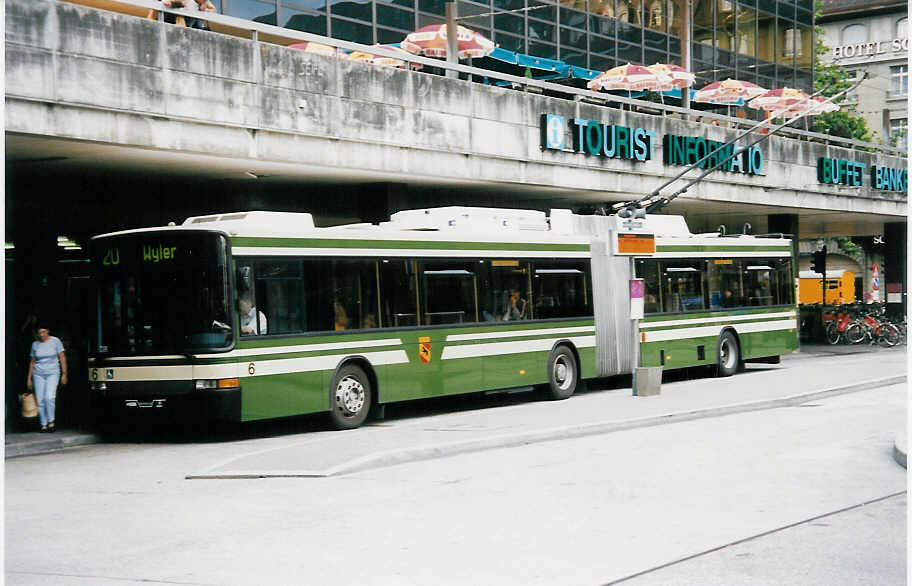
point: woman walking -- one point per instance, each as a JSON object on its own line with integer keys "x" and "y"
{"x": 47, "y": 367}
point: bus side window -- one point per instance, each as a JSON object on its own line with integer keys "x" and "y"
{"x": 648, "y": 270}
{"x": 248, "y": 312}
{"x": 561, "y": 288}
{"x": 399, "y": 292}
{"x": 683, "y": 286}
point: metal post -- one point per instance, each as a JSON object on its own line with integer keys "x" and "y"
{"x": 685, "y": 51}
{"x": 635, "y": 324}
{"x": 452, "y": 32}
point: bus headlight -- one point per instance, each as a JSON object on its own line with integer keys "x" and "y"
{"x": 220, "y": 383}
{"x": 99, "y": 385}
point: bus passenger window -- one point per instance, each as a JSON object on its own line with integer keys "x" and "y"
{"x": 683, "y": 286}
{"x": 505, "y": 290}
{"x": 449, "y": 291}
{"x": 561, "y": 288}
{"x": 648, "y": 270}
{"x": 399, "y": 292}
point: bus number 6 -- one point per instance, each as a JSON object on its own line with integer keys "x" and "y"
{"x": 250, "y": 369}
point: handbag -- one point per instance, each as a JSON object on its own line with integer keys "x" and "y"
{"x": 29, "y": 406}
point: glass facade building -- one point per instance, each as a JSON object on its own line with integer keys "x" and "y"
{"x": 768, "y": 42}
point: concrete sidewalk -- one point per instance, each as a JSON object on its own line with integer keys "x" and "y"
{"x": 597, "y": 411}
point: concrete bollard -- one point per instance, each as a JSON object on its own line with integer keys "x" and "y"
{"x": 648, "y": 381}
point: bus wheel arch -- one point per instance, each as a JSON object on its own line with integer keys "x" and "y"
{"x": 563, "y": 371}
{"x": 729, "y": 358}
{"x": 352, "y": 391}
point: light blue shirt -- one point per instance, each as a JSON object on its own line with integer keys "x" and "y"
{"x": 45, "y": 355}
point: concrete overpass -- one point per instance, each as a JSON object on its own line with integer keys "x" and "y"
{"x": 99, "y": 100}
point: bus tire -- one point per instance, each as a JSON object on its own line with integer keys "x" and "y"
{"x": 563, "y": 374}
{"x": 728, "y": 355}
{"x": 349, "y": 397}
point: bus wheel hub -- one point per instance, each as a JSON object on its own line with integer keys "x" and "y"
{"x": 350, "y": 395}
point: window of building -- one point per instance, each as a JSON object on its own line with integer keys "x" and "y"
{"x": 899, "y": 80}
{"x": 851, "y": 78}
{"x": 899, "y": 132}
{"x": 902, "y": 31}
{"x": 854, "y": 34}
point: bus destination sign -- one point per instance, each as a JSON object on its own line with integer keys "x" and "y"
{"x": 628, "y": 243}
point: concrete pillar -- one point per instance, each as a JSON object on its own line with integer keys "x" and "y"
{"x": 895, "y": 264}
{"x": 786, "y": 224}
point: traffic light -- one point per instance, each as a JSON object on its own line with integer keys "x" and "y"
{"x": 818, "y": 261}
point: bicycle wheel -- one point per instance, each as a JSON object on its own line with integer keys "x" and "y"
{"x": 889, "y": 336}
{"x": 833, "y": 335}
{"x": 855, "y": 333}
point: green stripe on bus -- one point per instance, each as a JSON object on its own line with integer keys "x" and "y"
{"x": 402, "y": 244}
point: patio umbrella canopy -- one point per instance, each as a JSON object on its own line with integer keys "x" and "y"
{"x": 791, "y": 102}
{"x": 431, "y": 41}
{"x": 672, "y": 76}
{"x": 727, "y": 92}
{"x": 381, "y": 59}
{"x": 319, "y": 49}
{"x": 627, "y": 77}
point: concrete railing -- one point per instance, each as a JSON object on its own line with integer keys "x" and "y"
{"x": 284, "y": 36}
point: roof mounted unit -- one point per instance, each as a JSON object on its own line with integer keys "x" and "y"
{"x": 275, "y": 221}
{"x": 468, "y": 219}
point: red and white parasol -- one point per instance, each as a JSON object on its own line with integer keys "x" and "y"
{"x": 381, "y": 59}
{"x": 318, "y": 49}
{"x": 672, "y": 76}
{"x": 630, "y": 78}
{"x": 431, "y": 41}
{"x": 729, "y": 91}
{"x": 783, "y": 101}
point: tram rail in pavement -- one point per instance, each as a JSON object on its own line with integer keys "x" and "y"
{"x": 588, "y": 413}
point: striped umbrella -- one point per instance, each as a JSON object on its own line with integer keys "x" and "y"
{"x": 431, "y": 41}
{"x": 726, "y": 92}
{"x": 780, "y": 101}
{"x": 672, "y": 76}
{"x": 318, "y": 49}
{"x": 630, "y": 78}
{"x": 815, "y": 105}
{"x": 381, "y": 59}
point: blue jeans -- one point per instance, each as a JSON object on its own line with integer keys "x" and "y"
{"x": 46, "y": 394}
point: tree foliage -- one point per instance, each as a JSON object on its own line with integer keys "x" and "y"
{"x": 844, "y": 123}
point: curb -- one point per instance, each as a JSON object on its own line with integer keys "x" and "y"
{"x": 50, "y": 444}
{"x": 414, "y": 454}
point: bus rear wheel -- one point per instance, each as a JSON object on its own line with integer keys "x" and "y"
{"x": 350, "y": 397}
{"x": 563, "y": 373}
{"x": 728, "y": 355}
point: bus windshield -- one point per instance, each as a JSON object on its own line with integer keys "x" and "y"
{"x": 162, "y": 293}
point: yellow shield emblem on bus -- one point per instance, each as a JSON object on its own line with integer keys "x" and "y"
{"x": 424, "y": 349}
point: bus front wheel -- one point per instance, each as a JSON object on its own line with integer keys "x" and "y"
{"x": 728, "y": 354}
{"x": 563, "y": 373}
{"x": 350, "y": 397}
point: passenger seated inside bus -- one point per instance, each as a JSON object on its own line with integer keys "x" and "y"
{"x": 253, "y": 322}
{"x": 369, "y": 321}
{"x": 516, "y": 307}
{"x": 728, "y": 300}
{"x": 650, "y": 305}
{"x": 340, "y": 316}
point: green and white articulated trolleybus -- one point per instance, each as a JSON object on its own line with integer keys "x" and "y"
{"x": 257, "y": 315}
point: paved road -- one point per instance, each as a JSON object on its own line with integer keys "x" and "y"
{"x": 590, "y": 510}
